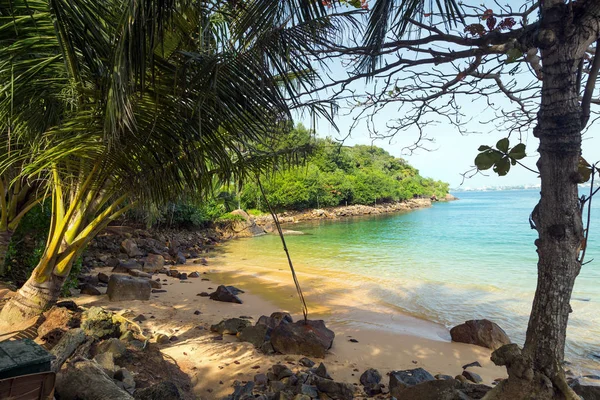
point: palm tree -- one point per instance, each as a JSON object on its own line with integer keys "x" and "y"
{"x": 132, "y": 102}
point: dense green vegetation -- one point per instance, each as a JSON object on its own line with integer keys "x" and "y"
{"x": 340, "y": 175}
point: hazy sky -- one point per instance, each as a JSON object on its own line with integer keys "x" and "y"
{"x": 452, "y": 153}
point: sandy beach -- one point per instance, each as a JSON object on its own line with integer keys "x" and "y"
{"x": 213, "y": 365}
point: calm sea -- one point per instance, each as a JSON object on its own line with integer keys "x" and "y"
{"x": 472, "y": 258}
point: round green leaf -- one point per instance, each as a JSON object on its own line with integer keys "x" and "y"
{"x": 502, "y": 166}
{"x": 486, "y": 159}
{"x": 502, "y": 145}
{"x": 518, "y": 152}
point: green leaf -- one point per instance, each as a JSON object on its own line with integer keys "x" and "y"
{"x": 584, "y": 169}
{"x": 513, "y": 55}
{"x": 518, "y": 152}
{"x": 484, "y": 148}
{"x": 487, "y": 159}
{"x": 502, "y": 166}
{"x": 502, "y": 145}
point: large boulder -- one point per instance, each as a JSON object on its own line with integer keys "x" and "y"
{"x": 336, "y": 390}
{"x": 371, "y": 379}
{"x": 84, "y": 379}
{"x": 310, "y": 338}
{"x": 129, "y": 247}
{"x": 227, "y": 294}
{"x": 400, "y": 380}
{"x": 231, "y": 326}
{"x": 587, "y": 392}
{"x": 121, "y": 287}
{"x": 480, "y": 332}
{"x": 154, "y": 263}
{"x": 245, "y": 226}
{"x": 257, "y": 335}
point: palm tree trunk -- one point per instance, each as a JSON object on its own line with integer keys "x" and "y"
{"x": 5, "y": 237}
{"x": 32, "y": 299}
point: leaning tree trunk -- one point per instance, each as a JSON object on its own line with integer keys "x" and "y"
{"x": 5, "y": 237}
{"x": 32, "y": 299}
{"x": 536, "y": 372}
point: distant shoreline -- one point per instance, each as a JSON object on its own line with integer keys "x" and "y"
{"x": 290, "y": 217}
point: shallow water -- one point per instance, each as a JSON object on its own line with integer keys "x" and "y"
{"x": 472, "y": 258}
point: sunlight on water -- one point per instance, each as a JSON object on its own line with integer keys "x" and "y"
{"x": 472, "y": 258}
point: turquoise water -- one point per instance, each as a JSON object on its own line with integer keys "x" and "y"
{"x": 472, "y": 258}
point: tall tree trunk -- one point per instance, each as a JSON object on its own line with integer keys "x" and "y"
{"x": 536, "y": 372}
{"x": 32, "y": 299}
{"x": 5, "y": 237}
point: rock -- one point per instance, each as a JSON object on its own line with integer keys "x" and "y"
{"x": 260, "y": 380}
{"x": 173, "y": 273}
{"x": 139, "y": 274}
{"x": 369, "y": 377}
{"x": 114, "y": 346}
{"x": 242, "y": 392}
{"x": 473, "y": 364}
{"x": 336, "y": 390}
{"x": 68, "y": 304}
{"x": 90, "y": 290}
{"x": 161, "y": 338}
{"x": 224, "y": 293}
{"x": 246, "y": 227}
{"x": 308, "y": 390}
{"x": 122, "y": 287}
{"x": 257, "y": 335}
{"x": 194, "y": 275}
{"x": 406, "y": 378}
{"x": 431, "y": 390}
{"x": 203, "y": 294}
{"x": 461, "y": 379}
{"x": 180, "y": 258}
{"x": 161, "y": 391}
{"x": 311, "y": 339}
{"x": 155, "y": 284}
{"x": 306, "y": 362}
{"x": 102, "y": 277}
{"x": 106, "y": 361}
{"x": 472, "y": 376}
{"x": 57, "y": 321}
{"x": 122, "y": 375}
{"x": 154, "y": 263}
{"x": 129, "y": 247}
{"x": 230, "y": 326}
{"x": 84, "y": 379}
{"x": 321, "y": 371}
{"x": 124, "y": 266}
{"x": 182, "y": 276}
{"x": 99, "y": 323}
{"x": 481, "y": 332}
{"x": 443, "y": 377}
{"x": 281, "y": 371}
{"x": 587, "y": 392}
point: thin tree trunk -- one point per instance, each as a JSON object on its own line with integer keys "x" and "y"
{"x": 32, "y": 299}
{"x": 5, "y": 237}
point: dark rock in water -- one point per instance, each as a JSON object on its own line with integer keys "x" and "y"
{"x": 306, "y": 362}
{"x": 99, "y": 323}
{"x": 102, "y": 277}
{"x": 481, "y": 332}
{"x": 121, "y": 287}
{"x": 472, "y": 376}
{"x": 194, "y": 275}
{"x": 257, "y": 335}
{"x": 336, "y": 390}
{"x": 400, "y": 380}
{"x": 587, "y": 392}
{"x": 124, "y": 266}
{"x": 161, "y": 391}
{"x": 224, "y": 293}
{"x": 203, "y": 294}
{"x": 473, "y": 364}
{"x": 90, "y": 290}
{"x": 322, "y": 371}
{"x": 310, "y": 339}
{"x": 230, "y": 326}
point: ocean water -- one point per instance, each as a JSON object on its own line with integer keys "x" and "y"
{"x": 472, "y": 258}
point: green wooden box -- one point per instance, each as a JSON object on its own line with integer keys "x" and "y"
{"x": 23, "y": 357}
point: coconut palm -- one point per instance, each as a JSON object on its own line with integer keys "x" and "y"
{"x": 133, "y": 102}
